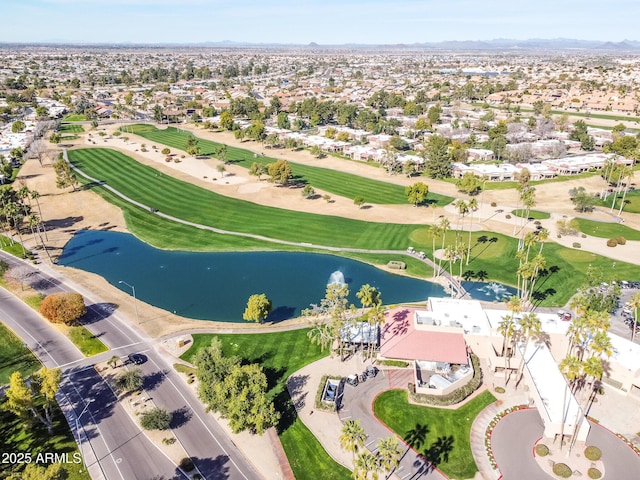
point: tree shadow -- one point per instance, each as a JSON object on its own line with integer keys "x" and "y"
{"x": 53, "y": 224}
{"x": 154, "y": 380}
{"x": 212, "y": 467}
{"x": 280, "y": 313}
{"x": 98, "y": 311}
{"x": 416, "y": 437}
{"x": 180, "y": 417}
{"x": 439, "y": 451}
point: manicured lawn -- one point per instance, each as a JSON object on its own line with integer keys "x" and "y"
{"x": 631, "y": 204}
{"x": 14, "y": 357}
{"x": 307, "y": 457}
{"x": 441, "y": 435}
{"x": 75, "y": 117}
{"x": 70, "y": 128}
{"x": 607, "y": 230}
{"x": 535, "y": 214}
{"x": 491, "y": 253}
{"x": 69, "y": 138}
{"x": 16, "y": 249}
{"x": 332, "y": 181}
{"x": 198, "y": 205}
{"x": 86, "y": 342}
{"x": 281, "y": 354}
{"x": 18, "y": 437}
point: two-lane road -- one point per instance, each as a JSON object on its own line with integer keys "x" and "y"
{"x": 113, "y": 439}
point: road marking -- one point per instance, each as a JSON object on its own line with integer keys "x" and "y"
{"x": 199, "y": 418}
{"x": 97, "y": 427}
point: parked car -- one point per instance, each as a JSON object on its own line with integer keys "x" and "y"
{"x": 371, "y": 371}
{"x": 353, "y": 380}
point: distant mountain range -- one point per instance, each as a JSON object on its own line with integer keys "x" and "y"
{"x": 499, "y": 44}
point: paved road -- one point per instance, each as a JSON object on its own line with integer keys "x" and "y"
{"x": 358, "y": 404}
{"x": 514, "y": 436}
{"x": 512, "y": 442}
{"x": 111, "y": 434}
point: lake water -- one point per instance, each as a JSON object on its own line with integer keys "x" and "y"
{"x": 216, "y": 286}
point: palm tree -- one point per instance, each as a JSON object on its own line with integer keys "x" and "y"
{"x": 368, "y": 296}
{"x": 571, "y": 366}
{"x": 543, "y": 235}
{"x": 634, "y": 302}
{"x": 507, "y": 328}
{"x": 592, "y": 368}
{"x": 463, "y": 209}
{"x": 473, "y": 206}
{"x": 530, "y": 326}
{"x": 577, "y": 333}
{"x": 436, "y": 232}
{"x": 35, "y": 195}
{"x": 628, "y": 175}
{"x": 352, "y": 437}
{"x": 444, "y": 226}
{"x": 365, "y": 464}
{"x": 389, "y": 453}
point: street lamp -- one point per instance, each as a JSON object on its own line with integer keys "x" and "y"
{"x": 135, "y": 303}
{"x": 89, "y": 402}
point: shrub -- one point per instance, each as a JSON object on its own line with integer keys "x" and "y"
{"x": 576, "y": 245}
{"x": 143, "y": 149}
{"x": 562, "y": 470}
{"x": 507, "y": 216}
{"x": 594, "y": 473}
{"x": 167, "y": 159}
{"x": 186, "y": 464}
{"x": 494, "y": 204}
{"x": 542, "y": 450}
{"x": 621, "y": 240}
{"x": 155, "y": 419}
{"x": 593, "y": 453}
{"x": 537, "y": 222}
{"x": 584, "y": 235}
{"x": 454, "y": 397}
{"x": 168, "y": 440}
{"x": 612, "y": 242}
{"x": 165, "y": 151}
{"x": 395, "y": 363}
{"x": 65, "y": 307}
{"x": 130, "y": 380}
{"x": 499, "y": 389}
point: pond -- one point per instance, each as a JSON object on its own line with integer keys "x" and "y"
{"x": 216, "y": 286}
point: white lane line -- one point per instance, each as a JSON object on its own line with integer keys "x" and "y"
{"x": 97, "y": 428}
{"x": 201, "y": 421}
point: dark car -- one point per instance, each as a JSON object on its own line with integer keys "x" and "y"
{"x": 371, "y": 371}
{"x": 137, "y": 358}
{"x": 352, "y": 380}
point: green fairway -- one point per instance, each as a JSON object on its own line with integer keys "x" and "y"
{"x": 32, "y": 438}
{"x": 607, "y": 230}
{"x": 332, "y": 181}
{"x": 70, "y": 128}
{"x": 441, "y": 435}
{"x": 281, "y": 354}
{"x": 75, "y": 117}
{"x": 14, "y": 356}
{"x": 535, "y": 214}
{"x": 189, "y": 202}
{"x": 631, "y": 202}
{"x": 493, "y": 254}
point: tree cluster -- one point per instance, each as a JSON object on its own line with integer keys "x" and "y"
{"x": 237, "y": 392}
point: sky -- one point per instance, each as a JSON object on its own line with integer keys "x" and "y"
{"x": 327, "y": 22}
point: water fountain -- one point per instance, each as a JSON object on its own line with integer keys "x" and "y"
{"x": 336, "y": 278}
{"x": 496, "y": 290}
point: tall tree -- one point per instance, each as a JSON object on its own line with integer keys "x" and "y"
{"x": 65, "y": 176}
{"x": 417, "y": 193}
{"x": 22, "y": 400}
{"x": 258, "y": 308}
{"x": 352, "y": 437}
{"x": 389, "y": 452}
{"x": 437, "y": 157}
{"x": 635, "y": 304}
